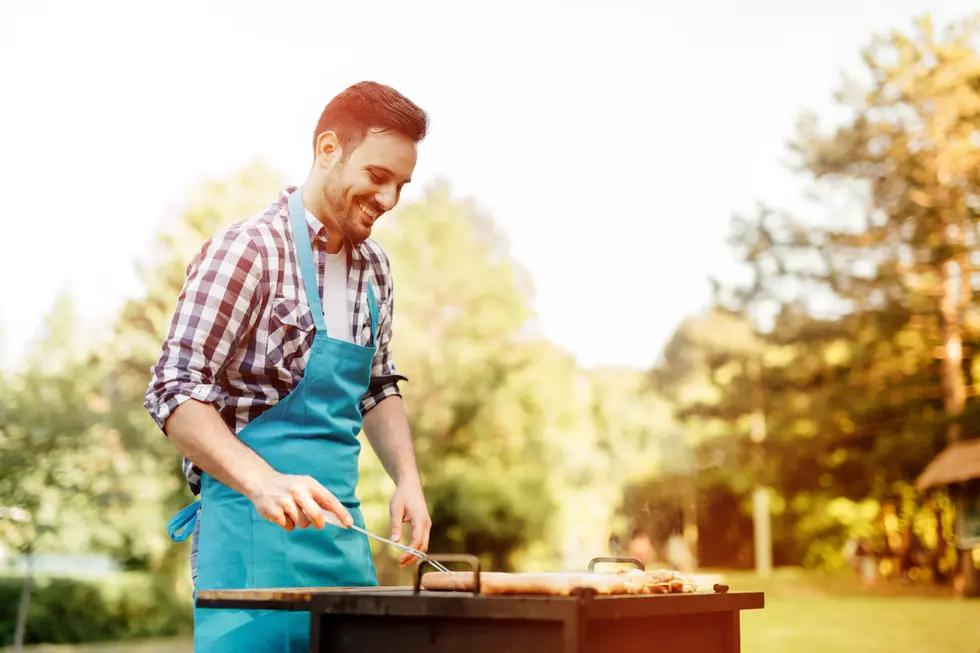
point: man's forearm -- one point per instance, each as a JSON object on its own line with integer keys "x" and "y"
{"x": 202, "y": 436}
{"x": 386, "y": 428}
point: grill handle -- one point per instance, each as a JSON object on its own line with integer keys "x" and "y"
{"x": 633, "y": 561}
{"x": 466, "y": 558}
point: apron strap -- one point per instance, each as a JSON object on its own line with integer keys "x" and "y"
{"x": 373, "y": 312}
{"x": 304, "y": 252}
{"x": 182, "y": 524}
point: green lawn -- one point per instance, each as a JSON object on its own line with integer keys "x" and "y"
{"x": 804, "y": 613}
{"x": 811, "y": 613}
{"x": 156, "y": 646}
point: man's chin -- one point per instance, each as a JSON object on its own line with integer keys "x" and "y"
{"x": 358, "y": 234}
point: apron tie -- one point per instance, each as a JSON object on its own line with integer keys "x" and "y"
{"x": 177, "y": 527}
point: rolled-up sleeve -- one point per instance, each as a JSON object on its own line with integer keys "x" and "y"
{"x": 214, "y": 314}
{"x": 384, "y": 376}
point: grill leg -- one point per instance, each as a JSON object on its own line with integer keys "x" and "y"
{"x": 316, "y": 632}
{"x": 572, "y": 635}
{"x": 736, "y": 640}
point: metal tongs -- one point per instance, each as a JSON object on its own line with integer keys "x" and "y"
{"x": 333, "y": 519}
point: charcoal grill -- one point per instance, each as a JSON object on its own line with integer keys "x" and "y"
{"x": 375, "y": 619}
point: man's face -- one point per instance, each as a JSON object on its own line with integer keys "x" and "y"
{"x": 356, "y": 192}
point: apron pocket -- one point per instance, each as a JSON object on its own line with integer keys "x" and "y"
{"x": 268, "y": 569}
{"x": 223, "y": 551}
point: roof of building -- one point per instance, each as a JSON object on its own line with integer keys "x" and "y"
{"x": 956, "y": 463}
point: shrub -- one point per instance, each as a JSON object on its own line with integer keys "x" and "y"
{"x": 77, "y": 610}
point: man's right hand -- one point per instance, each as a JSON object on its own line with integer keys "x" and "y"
{"x": 292, "y": 501}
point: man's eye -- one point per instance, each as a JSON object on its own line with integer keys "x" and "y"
{"x": 375, "y": 177}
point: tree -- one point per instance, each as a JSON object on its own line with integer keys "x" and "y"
{"x": 54, "y": 458}
{"x": 144, "y": 452}
{"x": 912, "y": 145}
{"x": 872, "y": 299}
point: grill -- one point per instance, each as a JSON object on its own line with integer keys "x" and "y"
{"x": 363, "y": 620}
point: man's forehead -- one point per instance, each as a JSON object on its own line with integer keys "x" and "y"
{"x": 389, "y": 150}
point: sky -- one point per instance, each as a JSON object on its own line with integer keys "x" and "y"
{"x": 611, "y": 141}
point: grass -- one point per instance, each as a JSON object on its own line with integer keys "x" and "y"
{"x": 805, "y": 612}
{"x": 815, "y": 613}
{"x": 182, "y": 645}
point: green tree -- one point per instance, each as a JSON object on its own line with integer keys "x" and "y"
{"x": 138, "y": 333}
{"x": 863, "y": 302}
{"x": 53, "y": 458}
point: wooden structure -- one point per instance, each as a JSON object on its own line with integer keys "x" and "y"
{"x": 957, "y": 467}
{"x": 957, "y": 463}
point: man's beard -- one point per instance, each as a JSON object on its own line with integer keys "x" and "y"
{"x": 352, "y": 221}
{"x": 342, "y": 214}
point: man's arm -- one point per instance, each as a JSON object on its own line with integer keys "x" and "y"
{"x": 199, "y": 432}
{"x": 215, "y": 311}
{"x": 202, "y": 436}
{"x": 386, "y": 428}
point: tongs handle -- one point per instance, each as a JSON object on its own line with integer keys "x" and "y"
{"x": 334, "y": 520}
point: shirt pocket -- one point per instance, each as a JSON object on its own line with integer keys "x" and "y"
{"x": 290, "y": 335}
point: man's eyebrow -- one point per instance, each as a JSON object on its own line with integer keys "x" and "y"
{"x": 386, "y": 171}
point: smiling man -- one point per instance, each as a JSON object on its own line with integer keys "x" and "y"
{"x": 278, "y": 354}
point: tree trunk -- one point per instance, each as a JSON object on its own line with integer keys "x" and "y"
{"x": 954, "y": 295}
{"x": 954, "y": 290}
{"x": 20, "y": 629}
{"x": 761, "y": 516}
{"x": 954, "y": 386}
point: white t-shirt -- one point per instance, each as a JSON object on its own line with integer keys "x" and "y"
{"x": 335, "y": 312}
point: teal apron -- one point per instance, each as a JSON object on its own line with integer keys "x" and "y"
{"x": 313, "y": 431}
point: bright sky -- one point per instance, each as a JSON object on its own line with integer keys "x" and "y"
{"x": 611, "y": 140}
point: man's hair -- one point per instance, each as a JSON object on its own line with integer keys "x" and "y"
{"x": 367, "y": 106}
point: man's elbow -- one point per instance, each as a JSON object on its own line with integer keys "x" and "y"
{"x": 165, "y": 400}
{"x": 378, "y": 393}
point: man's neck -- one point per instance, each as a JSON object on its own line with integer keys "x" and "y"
{"x": 313, "y": 202}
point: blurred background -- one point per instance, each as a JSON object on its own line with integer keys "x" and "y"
{"x": 692, "y": 282}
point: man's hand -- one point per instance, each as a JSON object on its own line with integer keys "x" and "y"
{"x": 408, "y": 505}
{"x": 292, "y": 501}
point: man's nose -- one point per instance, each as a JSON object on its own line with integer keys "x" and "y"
{"x": 387, "y": 197}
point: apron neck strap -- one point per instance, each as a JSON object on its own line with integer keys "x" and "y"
{"x": 373, "y": 312}
{"x": 304, "y": 252}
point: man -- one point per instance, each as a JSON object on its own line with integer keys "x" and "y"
{"x": 278, "y": 354}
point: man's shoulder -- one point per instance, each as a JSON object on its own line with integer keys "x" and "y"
{"x": 263, "y": 231}
{"x": 380, "y": 267}
{"x": 376, "y": 256}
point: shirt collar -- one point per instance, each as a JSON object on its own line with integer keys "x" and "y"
{"x": 318, "y": 231}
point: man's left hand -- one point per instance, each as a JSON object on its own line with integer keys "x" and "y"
{"x": 408, "y": 506}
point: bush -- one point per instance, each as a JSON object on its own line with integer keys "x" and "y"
{"x": 77, "y": 610}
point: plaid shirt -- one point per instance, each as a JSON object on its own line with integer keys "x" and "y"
{"x": 242, "y": 330}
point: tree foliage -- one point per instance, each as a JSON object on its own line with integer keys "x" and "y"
{"x": 854, "y": 333}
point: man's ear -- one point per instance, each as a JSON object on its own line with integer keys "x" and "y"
{"x": 328, "y": 148}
